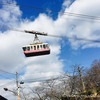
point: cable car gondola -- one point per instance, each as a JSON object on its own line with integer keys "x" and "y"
{"x": 36, "y": 49}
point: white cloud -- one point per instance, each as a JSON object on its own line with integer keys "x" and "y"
{"x": 12, "y": 58}
{"x": 79, "y": 27}
{"x": 10, "y": 15}
{"x": 10, "y": 84}
{"x": 66, "y": 4}
{"x": 11, "y": 55}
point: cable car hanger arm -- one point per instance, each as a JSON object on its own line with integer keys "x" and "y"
{"x": 35, "y": 32}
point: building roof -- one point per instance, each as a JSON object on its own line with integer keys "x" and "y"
{"x": 2, "y": 98}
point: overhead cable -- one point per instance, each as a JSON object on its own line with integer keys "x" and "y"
{"x": 53, "y": 11}
{"x": 74, "y": 38}
{"x": 6, "y": 72}
{"x": 7, "y": 83}
{"x": 57, "y": 36}
{"x": 58, "y": 77}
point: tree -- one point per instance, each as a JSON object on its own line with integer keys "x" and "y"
{"x": 52, "y": 89}
{"x": 66, "y": 84}
{"x": 76, "y": 80}
{"x": 92, "y": 77}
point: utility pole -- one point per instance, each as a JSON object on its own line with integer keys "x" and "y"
{"x": 18, "y": 96}
{"x": 17, "y": 86}
{"x": 83, "y": 86}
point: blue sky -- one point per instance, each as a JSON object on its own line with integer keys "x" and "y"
{"x": 70, "y": 53}
{"x": 45, "y": 4}
{"x": 83, "y": 57}
{"x": 64, "y": 52}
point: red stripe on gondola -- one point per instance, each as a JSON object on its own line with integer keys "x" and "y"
{"x": 33, "y": 51}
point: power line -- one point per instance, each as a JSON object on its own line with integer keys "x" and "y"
{"x": 66, "y": 37}
{"x": 6, "y": 72}
{"x": 53, "y": 11}
{"x": 58, "y": 77}
{"x": 43, "y": 80}
{"x": 38, "y": 79}
{"x": 7, "y": 83}
{"x": 56, "y": 36}
{"x": 6, "y": 77}
{"x": 72, "y": 38}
